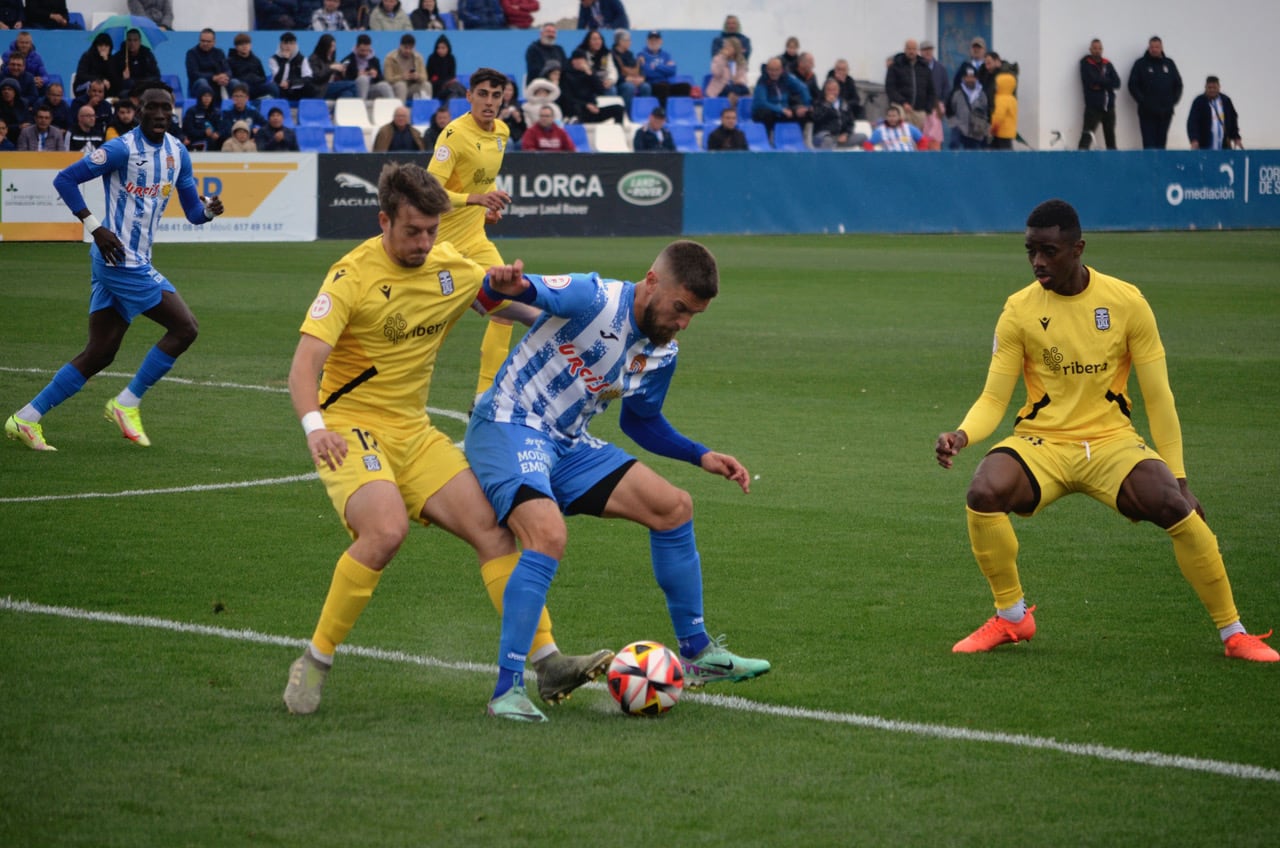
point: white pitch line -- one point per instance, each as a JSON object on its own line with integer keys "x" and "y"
{"x": 1154, "y": 759}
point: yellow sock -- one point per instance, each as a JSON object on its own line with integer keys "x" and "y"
{"x": 1196, "y": 549}
{"x": 493, "y": 352}
{"x": 349, "y": 594}
{"x": 496, "y": 573}
{"x": 995, "y": 546}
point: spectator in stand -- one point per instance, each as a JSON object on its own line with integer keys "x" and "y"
{"x": 10, "y": 18}
{"x": 365, "y": 71}
{"x": 542, "y": 92}
{"x": 241, "y": 140}
{"x": 1157, "y": 86}
{"x": 427, "y": 15}
{"x": 546, "y": 135}
{"x": 659, "y": 68}
{"x": 977, "y": 61}
{"x": 201, "y": 123}
{"x": 290, "y": 71}
{"x": 13, "y": 109}
{"x": 275, "y": 136}
{"x": 329, "y": 18}
{"x": 124, "y": 121}
{"x": 159, "y": 11}
{"x": 653, "y": 135}
{"x": 848, "y": 88}
{"x": 579, "y": 89}
{"x": 356, "y": 13}
{"x": 240, "y": 111}
{"x": 729, "y": 71}
{"x": 519, "y": 13}
{"x": 439, "y": 120}
{"x": 790, "y": 55}
{"x": 25, "y": 47}
{"x": 1213, "y": 123}
{"x": 893, "y": 133}
{"x": 442, "y": 71}
{"x": 1004, "y": 113}
{"x": 732, "y": 27}
{"x": 938, "y": 75}
{"x": 328, "y": 75}
{"x": 208, "y": 64}
{"x": 779, "y": 98}
{"x": 481, "y": 14}
{"x": 16, "y": 70}
{"x": 46, "y": 14}
{"x": 543, "y": 51}
{"x": 969, "y": 113}
{"x": 95, "y": 63}
{"x": 600, "y": 60}
{"x": 630, "y": 78}
{"x": 511, "y": 113}
{"x": 247, "y": 68}
{"x": 58, "y": 106}
{"x": 6, "y": 146}
{"x": 389, "y": 16}
{"x": 95, "y": 96}
{"x": 406, "y": 70}
{"x": 1100, "y": 82}
{"x": 278, "y": 14}
{"x": 86, "y": 135}
{"x": 43, "y": 136}
{"x": 833, "y": 120}
{"x": 808, "y": 76}
{"x": 909, "y": 84}
{"x": 603, "y": 14}
{"x": 727, "y": 136}
{"x": 399, "y": 135}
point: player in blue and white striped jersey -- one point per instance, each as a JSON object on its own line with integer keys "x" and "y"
{"x": 528, "y": 445}
{"x": 139, "y": 170}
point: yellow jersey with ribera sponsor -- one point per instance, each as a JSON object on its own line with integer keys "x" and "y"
{"x": 466, "y": 161}
{"x": 1075, "y": 354}
{"x": 386, "y": 323}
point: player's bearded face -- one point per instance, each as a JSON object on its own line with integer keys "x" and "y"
{"x": 668, "y": 310}
{"x": 409, "y": 238}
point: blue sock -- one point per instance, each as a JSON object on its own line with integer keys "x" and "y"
{"x": 64, "y": 384}
{"x": 678, "y": 568}
{"x": 154, "y": 366}
{"x": 522, "y": 603}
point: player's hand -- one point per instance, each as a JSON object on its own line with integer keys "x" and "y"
{"x": 213, "y": 206}
{"x": 109, "y": 245}
{"x": 492, "y": 216}
{"x": 727, "y": 467}
{"x": 948, "y": 445}
{"x": 508, "y": 280}
{"x": 327, "y": 447}
{"x": 494, "y": 201}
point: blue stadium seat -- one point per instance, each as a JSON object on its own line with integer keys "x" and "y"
{"x": 459, "y": 106}
{"x": 789, "y": 137}
{"x": 266, "y": 104}
{"x": 75, "y": 20}
{"x": 464, "y": 80}
{"x": 685, "y": 137}
{"x": 450, "y": 20}
{"x": 680, "y": 112}
{"x": 421, "y": 110}
{"x": 174, "y": 82}
{"x": 311, "y": 139}
{"x": 347, "y": 140}
{"x": 712, "y": 107}
{"x": 578, "y": 133}
{"x": 757, "y": 135}
{"x": 314, "y": 112}
{"x": 744, "y": 108}
{"x": 641, "y": 106}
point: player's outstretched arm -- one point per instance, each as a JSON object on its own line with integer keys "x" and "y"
{"x": 325, "y": 445}
{"x": 948, "y": 445}
{"x": 728, "y": 467}
{"x": 507, "y": 280}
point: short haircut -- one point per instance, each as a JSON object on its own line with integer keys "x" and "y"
{"x": 1056, "y": 213}
{"x": 480, "y": 75}
{"x": 693, "y": 267}
{"x": 408, "y": 38}
{"x": 43, "y": 107}
{"x": 403, "y": 183}
{"x": 142, "y": 87}
{"x": 363, "y": 38}
{"x": 288, "y": 36}
{"x": 275, "y": 110}
{"x": 1207, "y": 80}
{"x": 243, "y": 38}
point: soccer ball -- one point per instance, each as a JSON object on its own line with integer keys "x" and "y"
{"x": 646, "y": 678}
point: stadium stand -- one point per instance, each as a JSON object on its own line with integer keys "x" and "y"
{"x": 757, "y": 136}
{"x": 608, "y": 137}
{"x": 712, "y": 108}
{"x": 312, "y": 139}
{"x": 351, "y": 112}
{"x": 788, "y": 137}
{"x": 266, "y": 104}
{"x": 313, "y": 112}
{"x": 348, "y": 139}
{"x": 685, "y": 137}
{"x": 578, "y": 133}
{"x": 421, "y": 110}
{"x": 384, "y": 109}
{"x": 681, "y": 112}
{"x": 641, "y": 106}
{"x": 458, "y": 107}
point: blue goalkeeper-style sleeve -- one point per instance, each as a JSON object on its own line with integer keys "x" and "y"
{"x": 656, "y": 435}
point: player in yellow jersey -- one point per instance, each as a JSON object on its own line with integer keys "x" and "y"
{"x": 370, "y": 342}
{"x": 467, "y": 159}
{"x": 1073, "y": 336}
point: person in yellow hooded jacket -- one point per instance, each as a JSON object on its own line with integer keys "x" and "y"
{"x": 1004, "y": 114}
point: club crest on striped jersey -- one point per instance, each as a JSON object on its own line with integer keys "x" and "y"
{"x": 638, "y": 363}
{"x": 1102, "y": 318}
{"x": 446, "y": 282}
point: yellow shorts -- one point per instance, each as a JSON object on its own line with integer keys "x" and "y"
{"x": 1094, "y": 468}
{"x": 418, "y": 462}
{"x": 480, "y": 251}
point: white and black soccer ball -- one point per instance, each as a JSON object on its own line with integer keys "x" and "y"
{"x": 646, "y": 678}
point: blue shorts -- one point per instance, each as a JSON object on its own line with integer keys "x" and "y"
{"x": 130, "y": 291}
{"x": 505, "y": 457}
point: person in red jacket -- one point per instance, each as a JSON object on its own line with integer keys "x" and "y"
{"x": 520, "y": 12}
{"x": 546, "y": 135}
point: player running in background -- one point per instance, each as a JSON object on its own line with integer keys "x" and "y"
{"x": 1074, "y": 335}
{"x": 370, "y": 342}
{"x": 140, "y": 171}
{"x": 467, "y": 159}
{"x": 528, "y": 445}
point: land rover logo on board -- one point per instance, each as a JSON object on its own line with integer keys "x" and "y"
{"x": 644, "y": 188}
